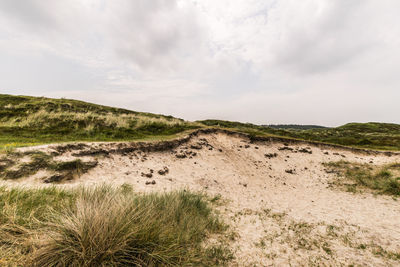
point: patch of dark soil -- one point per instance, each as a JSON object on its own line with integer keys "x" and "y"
{"x": 61, "y": 149}
{"x": 91, "y": 152}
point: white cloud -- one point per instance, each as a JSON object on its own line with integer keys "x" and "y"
{"x": 264, "y": 61}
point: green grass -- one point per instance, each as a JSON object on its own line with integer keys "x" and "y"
{"x": 106, "y": 226}
{"x": 383, "y": 136}
{"x": 26, "y": 120}
{"x": 380, "y": 136}
{"x": 382, "y": 179}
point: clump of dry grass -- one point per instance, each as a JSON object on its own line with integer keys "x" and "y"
{"x": 42, "y": 118}
{"x": 105, "y": 226}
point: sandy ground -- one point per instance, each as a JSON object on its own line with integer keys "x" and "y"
{"x": 282, "y": 210}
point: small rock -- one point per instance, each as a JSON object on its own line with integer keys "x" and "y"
{"x": 198, "y": 147}
{"x": 271, "y": 155}
{"x": 148, "y": 175}
{"x": 180, "y": 155}
{"x": 305, "y": 150}
{"x": 152, "y": 182}
{"x": 163, "y": 171}
{"x": 285, "y": 148}
{"x": 290, "y": 171}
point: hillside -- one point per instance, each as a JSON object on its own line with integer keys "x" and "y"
{"x": 277, "y": 203}
{"x": 26, "y": 120}
{"x": 380, "y": 136}
{"x": 384, "y": 136}
{"x": 205, "y": 193}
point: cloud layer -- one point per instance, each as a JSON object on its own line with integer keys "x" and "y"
{"x": 262, "y": 61}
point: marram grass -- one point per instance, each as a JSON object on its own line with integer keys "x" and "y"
{"x": 105, "y": 226}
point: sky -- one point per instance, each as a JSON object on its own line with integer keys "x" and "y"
{"x": 261, "y": 61}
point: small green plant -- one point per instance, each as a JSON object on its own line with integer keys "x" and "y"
{"x": 379, "y": 178}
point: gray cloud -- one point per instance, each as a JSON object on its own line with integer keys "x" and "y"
{"x": 263, "y": 61}
{"x": 153, "y": 33}
{"x": 334, "y": 34}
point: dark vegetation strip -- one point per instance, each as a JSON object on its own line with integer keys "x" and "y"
{"x": 67, "y": 170}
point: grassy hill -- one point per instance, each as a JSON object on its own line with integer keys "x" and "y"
{"x": 385, "y": 136}
{"x": 26, "y": 120}
{"x": 372, "y": 135}
{"x": 33, "y": 120}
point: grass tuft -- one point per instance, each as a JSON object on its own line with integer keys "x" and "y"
{"x": 379, "y": 178}
{"x": 106, "y": 226}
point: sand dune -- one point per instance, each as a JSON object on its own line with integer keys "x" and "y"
{"x": 278, "y": 198}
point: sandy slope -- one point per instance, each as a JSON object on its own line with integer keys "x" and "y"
{"x": 283, "y": 209}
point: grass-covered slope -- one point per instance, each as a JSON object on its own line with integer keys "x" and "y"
{"x": 30, "y": 120}
{"x": 26, "y": 120}
{"x": 372, "y": 135}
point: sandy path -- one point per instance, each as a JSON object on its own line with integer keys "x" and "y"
{"x": 282, "y": 208}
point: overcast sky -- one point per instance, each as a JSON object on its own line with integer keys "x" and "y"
{"x": 325, "y": 62}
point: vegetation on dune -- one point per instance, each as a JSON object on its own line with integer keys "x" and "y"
{"x": 248, "y": 128}
{"x": 385, "y": 136}
{"x": 12, "y": 168}
{"x": 381, "y": 136}
{"x": 106, "y": 226}
{"x": 30, "y": 120}
{"x": 383, "y": 179}
{"x": 295, "y": 126}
